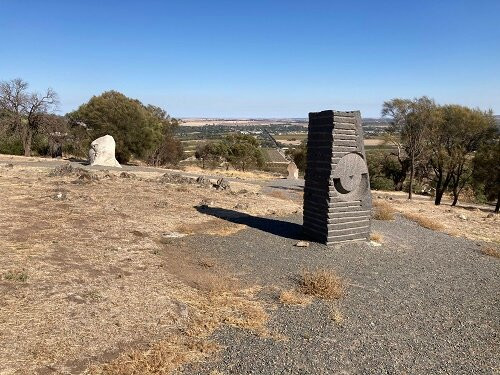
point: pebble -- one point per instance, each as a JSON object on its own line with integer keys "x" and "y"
{"x": 302, "y": 244}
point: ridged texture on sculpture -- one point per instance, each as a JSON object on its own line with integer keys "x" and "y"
{"x": 337, "y": 200}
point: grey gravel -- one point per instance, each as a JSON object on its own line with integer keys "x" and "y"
{"x": 422, "y": 303}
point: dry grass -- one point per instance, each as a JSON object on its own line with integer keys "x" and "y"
{"x": 294, "y": 297}
{"x": 377, "y": 237}
{"x": 424, "y": 221}
{"x": 101, "y": 281}
{"x": 336, "y": 315}
{"x": 383, "y": 211}
{"x": 163, "y": 357}
{"x": 491, "y": 251}
{"x": 214, "y": 227}
{"x": 20, "y": 276}
{"x": 322, "y": 284}
{"x": 480, "y": 224}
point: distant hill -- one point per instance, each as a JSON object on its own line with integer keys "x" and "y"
{"x": 497, "y": 119}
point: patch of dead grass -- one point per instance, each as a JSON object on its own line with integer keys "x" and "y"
{"x": 323, "y": 284}
{"x": 86, "y": 301}
{"x": 163, "y": 357}
{"x": 491, "y": 251}
{"x": 294, "y": 297}
{"x": 383, "y": 210}
{"x": 377, "y": 237}
{"x": 424, "y": 221}
{"x": 336, "y": 315}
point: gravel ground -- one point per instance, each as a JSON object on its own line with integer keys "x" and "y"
{"x": 422, "y": 303}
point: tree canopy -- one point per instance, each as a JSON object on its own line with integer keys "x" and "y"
{"x": 242, "y": 151}
{"x": 137, "y": 129}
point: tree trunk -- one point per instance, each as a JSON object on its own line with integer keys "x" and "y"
{"x": 412, "y": 172}
{"x": 455, "y": 191}
{"x": 439, "y": 196}
{"x": 27, "y": 140}
{"x": 497, "y": 207}
{"x": 439, "y": 193}
{"x": 27, "y": 148}
{"x": 441, "y": 188}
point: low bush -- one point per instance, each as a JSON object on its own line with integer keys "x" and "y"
{"x": 322, "y": 284}
{"x": 383, "y": 211}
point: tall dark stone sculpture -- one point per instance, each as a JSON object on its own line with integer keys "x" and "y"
{"x": 337, "y": 200}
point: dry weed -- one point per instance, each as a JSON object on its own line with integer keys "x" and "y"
{"x": 16, "y": 275}
{"x": 293, "y": 297}
{"x": 322, "y": 284}
{"x": 207, "y": 263}
{"x": 424, "y": 221}
{"x": 491, "y": 251}
{"x": 162, "y": 357}
{"x": 336, "y": 315}
{"x": 383, "y": 211}
{"x": 377, "y": 237}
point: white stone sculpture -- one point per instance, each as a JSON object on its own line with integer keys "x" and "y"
{"x": 102, "y": 152}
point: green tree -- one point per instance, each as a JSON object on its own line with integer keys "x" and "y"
{"x": 211, "y": 154}
{"x": 138, "y": 130}
{"x": 384, "y": 170}
{"x": 169, "y": 150}
{"x": 411, "y": 120}
{"x": 452, "y": 141}
{"x": 299, "y": 155}
{"x": 243, "y": 151}
{"x": 486, "y": 170}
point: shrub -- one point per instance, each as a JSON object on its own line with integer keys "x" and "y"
{"x": 381, "y": 183}
{"x": 377, "y": 237}
{"x": 322, "y": 284}
{"x": 169, "y": 152}
{"x": 11, "y": 145}
{"x": 383, "y": 211}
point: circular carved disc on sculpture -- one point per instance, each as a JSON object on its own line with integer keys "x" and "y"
{"x": 349, "y": 172}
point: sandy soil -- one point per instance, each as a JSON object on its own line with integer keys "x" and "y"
{"x": 88, "y": 270}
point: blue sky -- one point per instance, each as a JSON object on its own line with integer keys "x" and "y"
{"x": 256, "y": 58}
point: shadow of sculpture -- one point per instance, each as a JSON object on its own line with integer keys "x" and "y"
{"x": 276, "y": 227}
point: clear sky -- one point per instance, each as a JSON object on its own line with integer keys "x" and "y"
{"x": 256, "y": 58}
